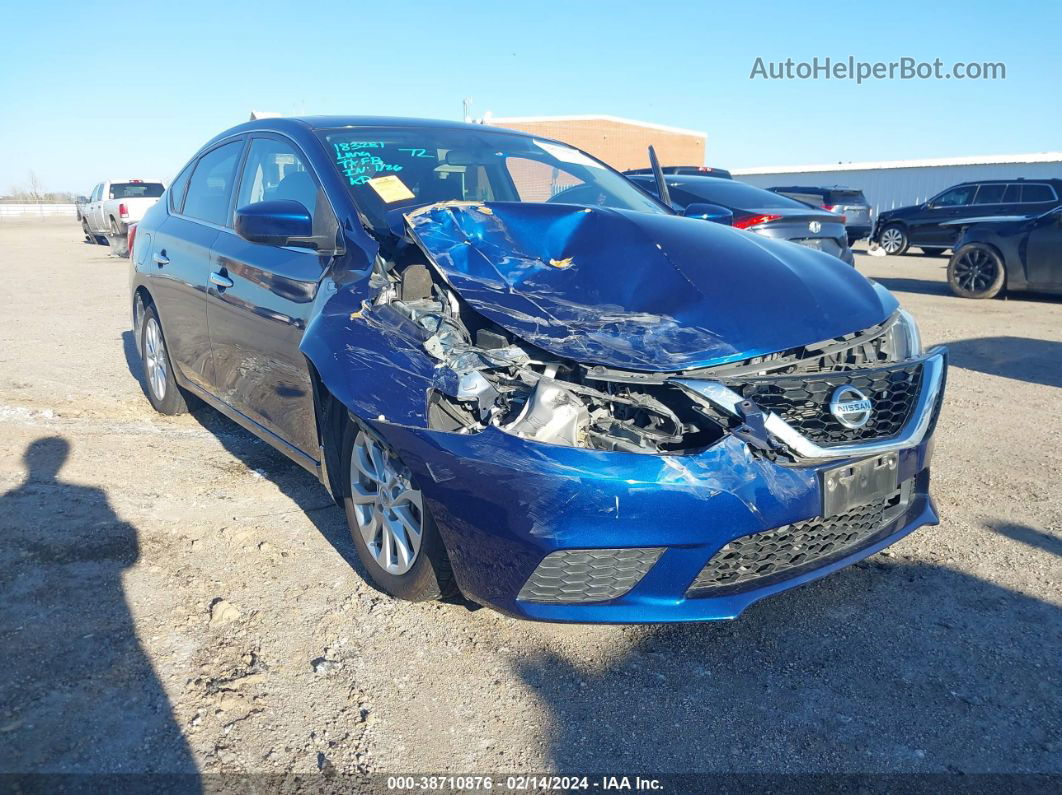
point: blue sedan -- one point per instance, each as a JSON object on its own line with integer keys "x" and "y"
{"x": 528, "y": 381}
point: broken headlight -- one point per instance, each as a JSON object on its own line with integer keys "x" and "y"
{"x": 613, "y": 417}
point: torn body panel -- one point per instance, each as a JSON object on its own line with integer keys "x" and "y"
{"x": 637, "y": 291}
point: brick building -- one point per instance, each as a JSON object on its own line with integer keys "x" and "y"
{"x": 622, "y": 143}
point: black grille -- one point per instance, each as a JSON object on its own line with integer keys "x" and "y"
{"x": 787, "y": 551}
{"x": 804, "y": 401}
{"x": 588, "y": 575}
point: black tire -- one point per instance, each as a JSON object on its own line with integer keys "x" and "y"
{"x": 430, "y": 576}
{"x": 976, "y": 271}
{"x": 893, "y": 240}
{"x": 162, "y": 391}
{"x": 116, "y": 229}
{"x": 932, "y": 252}
{"x": 89, "y": 237}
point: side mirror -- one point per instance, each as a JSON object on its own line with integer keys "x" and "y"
{"x": 275, "y": 223}
{"x": 710, "y": 212}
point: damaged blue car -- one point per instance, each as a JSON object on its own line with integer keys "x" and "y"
{"x": 528, "y": 381}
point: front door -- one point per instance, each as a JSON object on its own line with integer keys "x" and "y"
{"x": 257, "y": 323}
{"x": 926, "y": 227}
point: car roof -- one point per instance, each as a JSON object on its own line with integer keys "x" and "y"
{"x": 823, "y": 188}
{"x": 695, "y": 179}
{"x": 1055, "y": 180}
{"x": 303, "y": 124}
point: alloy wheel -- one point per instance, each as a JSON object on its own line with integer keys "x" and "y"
{"x": 388, "y": 509}
{"x": 892, "y": 240}
{"x": 976, "y": 270}
{"x": 155, "y": 359}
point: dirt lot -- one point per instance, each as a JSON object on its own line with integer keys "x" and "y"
{"x": 175, "y": 596}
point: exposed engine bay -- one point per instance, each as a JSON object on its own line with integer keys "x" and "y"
{"x": 488, "y": 376}
{"x": 491, "y": 378}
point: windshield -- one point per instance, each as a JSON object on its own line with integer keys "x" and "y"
{"x": 136, "y": 190}
{"x": 389, "y": 168}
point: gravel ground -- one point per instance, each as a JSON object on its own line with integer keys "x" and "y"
{"x": 176, "y": 596}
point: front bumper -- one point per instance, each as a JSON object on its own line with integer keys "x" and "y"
{"x": 502, "y": 504}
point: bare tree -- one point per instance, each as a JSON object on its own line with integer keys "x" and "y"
{"x": 36, "y": 190}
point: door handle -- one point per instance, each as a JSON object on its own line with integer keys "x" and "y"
{"x": 220, "y": 280}
{"x": 161, "y": 259}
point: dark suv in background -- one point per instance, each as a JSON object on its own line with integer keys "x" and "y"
{"x": 932, "y": 226}
{"x": 849, "y": 202}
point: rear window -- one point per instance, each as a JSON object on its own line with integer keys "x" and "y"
{"x": 814, "y": 199}
{"x": 136, "y": 190}
{"x": 990, "y": 194}
{"x": 1037, "y": 193}
{"x": 731, "y": 193}
{"x": 846, "y": 197}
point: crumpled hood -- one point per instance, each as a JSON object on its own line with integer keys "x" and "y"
{"x": 640, "y": 291}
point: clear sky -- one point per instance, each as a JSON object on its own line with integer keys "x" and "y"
{"x": 95, "y": 89}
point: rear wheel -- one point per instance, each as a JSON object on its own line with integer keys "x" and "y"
{"x": 116, "y": 229}
{"x": 159, "y": 384}
{"x": 393, "y": 531}
{"x": 932, "y": 252}
{"x": 894, "y": 240}
{"x": 976, "y": 271}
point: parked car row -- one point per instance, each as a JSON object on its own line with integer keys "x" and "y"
{"x": 527, "y": 379}
{"x": 757, "y": 210}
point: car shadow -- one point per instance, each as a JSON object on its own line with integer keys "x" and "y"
{"x": 79, "y": 693}
{"x": 294, "y": 482}
{"x": 132, "y": 359}
{"x": 1029, "y": 536}
{"x": 903, "y": 284}
{"x": 1028, "y": 359}
{"x": 884, "y": 668}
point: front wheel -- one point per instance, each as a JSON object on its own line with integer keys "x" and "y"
{"x": 894, "y": 240}
{"x": 976, "y": 271}
{"x": 393, "y": 530}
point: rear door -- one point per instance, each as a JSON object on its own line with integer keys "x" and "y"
{"x": 1012, "y": 199}
{"x": 180, "y": 259}
{"x": 953, "y": 203}
{"x": 257, "y": 323}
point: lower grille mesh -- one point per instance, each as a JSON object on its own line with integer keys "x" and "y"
{"x": 588, "y": 575}
{"x": 760, "y": 558}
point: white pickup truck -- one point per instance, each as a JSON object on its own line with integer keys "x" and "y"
{"x": 115, "y": 204}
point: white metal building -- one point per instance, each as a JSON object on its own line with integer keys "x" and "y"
{"x": 896, "y": 183}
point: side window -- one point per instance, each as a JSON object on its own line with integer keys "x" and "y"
{"x": 96, "y": 192}
{"x": 990, "y": 194}
{"x": 1036, "y": 193}
{"x": 211, "y": 184}
{"x": 274, "y": 172}
{"x": 179, "y": 186}
{"x": 1012, "y": 195}
{"x": 956, "y": 197}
